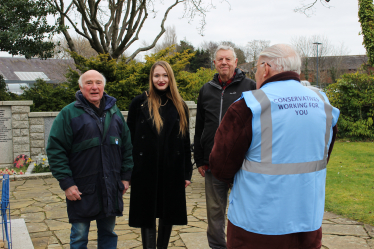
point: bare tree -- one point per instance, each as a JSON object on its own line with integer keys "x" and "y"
{"x": 330, "y": 60}
{"x": 252, "y": 51}
{"x": 337, "y": 61}
{"x": 304, "y": 47}
{"x": 170, "y": 38}
{"x": 308, "y": 6}
{"x": 82, "y": 47}
{"x": 112, "y": 26}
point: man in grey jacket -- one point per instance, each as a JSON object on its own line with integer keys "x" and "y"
{"x": 215, "y": 97}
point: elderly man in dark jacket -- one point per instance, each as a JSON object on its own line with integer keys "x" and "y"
{"x": 90, "y": 154}
{"x": 215, "y": 97}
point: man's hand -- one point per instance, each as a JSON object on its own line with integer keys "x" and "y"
{"x": 126, "y": 184}
{"x": 73, "y": 193}
{"x": 201, "y": 170}
{"x": 187, "y": 182}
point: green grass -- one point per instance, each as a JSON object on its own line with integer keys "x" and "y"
{"x": 350, "y": 181}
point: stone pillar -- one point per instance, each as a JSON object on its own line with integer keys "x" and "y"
{"x": 36, "y": 136}
{"x": 20, "y": 126}
{"x": 40, "y": 126}
{"x": 125, "y": 113}
{"x": 6, "y": 136}
{"x": 193, "y": 108}
{"x": 14, "y": 131}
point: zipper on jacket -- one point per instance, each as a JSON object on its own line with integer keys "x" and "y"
{"x": 201, "y": 138}
{"x": 223, "y": 91}
{"x": 220, "y": 110}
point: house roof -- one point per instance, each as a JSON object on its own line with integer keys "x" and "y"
{"x": 353, "y": 62}
{"x": 21, "y": 70}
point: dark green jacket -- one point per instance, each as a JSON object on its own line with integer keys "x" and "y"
{"x": 94, "y": 154}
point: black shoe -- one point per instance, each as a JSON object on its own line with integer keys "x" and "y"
{"x": 164, "y": 232}
{"x": 149, "y": 238}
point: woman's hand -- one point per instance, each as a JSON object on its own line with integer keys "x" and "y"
{"x": 186, "y": 183}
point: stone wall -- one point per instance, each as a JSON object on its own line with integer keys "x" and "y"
{"x": 25, "y": 132}
{"x": 14, "y": 130}
{"x": 40, "y": 125}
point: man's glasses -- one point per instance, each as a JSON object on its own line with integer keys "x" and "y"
{"x": 254, "y": 69}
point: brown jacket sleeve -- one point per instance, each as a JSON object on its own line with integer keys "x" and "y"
{"x": 231, "y": 142}
{"x": 334, "y": 132}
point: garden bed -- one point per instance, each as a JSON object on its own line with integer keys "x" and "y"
{"x": 25, "y": 166}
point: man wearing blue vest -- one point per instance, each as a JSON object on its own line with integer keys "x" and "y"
{"x": 274, "y": 144}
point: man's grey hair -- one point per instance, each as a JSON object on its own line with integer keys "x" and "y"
{"x": 225, "y": 47}
{"x": 81, "y": 83}
{"x": 282, "y": 57}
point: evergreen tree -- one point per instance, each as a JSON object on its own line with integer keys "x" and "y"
{"x": 201, "y": 59}
{"x": 23, "y": 28}
{"x": 4, "y": 93}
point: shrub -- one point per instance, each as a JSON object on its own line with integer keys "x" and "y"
{"x": 353, "y": 94}
{"x": 47, "y": 97}
{"x": 127, "y": 80}
{"x": 124, "y": 80}
{"x": 189, "y": 84}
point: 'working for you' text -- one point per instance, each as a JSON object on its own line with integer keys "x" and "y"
{"x": 299, "y": 108}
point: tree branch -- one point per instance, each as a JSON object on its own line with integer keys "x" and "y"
{"x": 124, "y": 23}
{"x": 114, "y": 29}
{"x": 308, "y": 9}
{"x": 157, "y": 37}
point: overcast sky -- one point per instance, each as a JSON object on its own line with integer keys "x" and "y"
{"x": 273, "y": 20}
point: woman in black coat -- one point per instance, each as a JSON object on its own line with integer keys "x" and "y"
{"x": 159, "y": 124}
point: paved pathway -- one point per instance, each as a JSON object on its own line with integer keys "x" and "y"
{"x": 41, "y": 203}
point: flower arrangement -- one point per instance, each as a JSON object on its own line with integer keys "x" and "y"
{"x": 10, "y": 172}
{"x": 23, "y": 163}
{"x": 20, "y": 162}
{"x": 41, "y": 164}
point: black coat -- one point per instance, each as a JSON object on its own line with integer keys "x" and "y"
{"x": 144, "y": 180}
{"x": 212, "y": 105}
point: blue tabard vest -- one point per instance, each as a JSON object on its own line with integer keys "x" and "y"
{"x": 280, "y": 188}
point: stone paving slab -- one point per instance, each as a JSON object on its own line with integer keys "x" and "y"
{"x": 344, "y": 242}
{"x": 195, "y": 240}
{"x": 349, "y": 230}
{"x": 41, "y": 203}
{"x": 20, "y": 235}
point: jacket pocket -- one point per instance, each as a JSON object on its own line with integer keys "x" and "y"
{"x": 89, "y": 204}
{"x": 121, "y": 187}
{"x": 116, "y": 140}
{"x": 115, "y": 153}
{"x": 86, "y": 144}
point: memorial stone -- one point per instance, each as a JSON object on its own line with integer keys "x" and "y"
{"x": 6, "y": 137}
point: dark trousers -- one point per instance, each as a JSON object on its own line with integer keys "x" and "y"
{"x": 216, "y": 203}
{"x": 238, "y": 238}
{"x": 149, "y": 236}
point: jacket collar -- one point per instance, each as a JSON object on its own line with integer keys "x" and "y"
{"x": 82, "y": 102}
{"x": 171, "y": 114}
{"x": 239, "y": 75}
{"x": 282, "y": 77}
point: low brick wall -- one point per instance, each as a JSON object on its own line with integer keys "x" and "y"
{"x": 28, "y": 132}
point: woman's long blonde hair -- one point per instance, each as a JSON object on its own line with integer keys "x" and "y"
{"x": 154, "y": 100}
